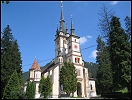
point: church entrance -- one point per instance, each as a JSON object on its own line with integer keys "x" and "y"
{"x": 79, "y": 93}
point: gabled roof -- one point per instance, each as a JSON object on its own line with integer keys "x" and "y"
{"x": 35, "y": 66}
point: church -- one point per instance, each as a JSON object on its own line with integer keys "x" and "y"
{"x": 67, "y": 48}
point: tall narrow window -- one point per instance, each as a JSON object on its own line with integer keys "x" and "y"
{"x": 69, "y": 60}
{"x": 78, "y": 72}
{"x": 91, "y": 86}
{"x": 75, "y": 40}
{"x": 75, "y": 60}
{"x": 78, "y": 60}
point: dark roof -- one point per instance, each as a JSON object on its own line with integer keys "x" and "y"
{"x": 47, "y": 67}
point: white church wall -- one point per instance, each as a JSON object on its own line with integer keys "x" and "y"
{"x": 31, "y": 73}
{"x": 92, "y": 88}
{"x": 55, "y": 91}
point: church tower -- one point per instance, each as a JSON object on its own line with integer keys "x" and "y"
{"x": 61, "y": 40}
{"x": 67, "y": 48}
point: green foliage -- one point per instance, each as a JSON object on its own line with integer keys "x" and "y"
{"x": 10, "y": 58}
{"x": 30, "y": 90}
{"x": 120, "y": 55}
{"x": 45, "y": 86}
{"x": 12, "y": 88}
{"x": 104, "y": 73}
{"x": 68, "y": 78}
{"x": 92, "y": 69}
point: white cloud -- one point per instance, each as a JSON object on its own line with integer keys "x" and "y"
{"x": 84, "y": 39}
{"x": 93, "y": 54}
{"x": 114, "y": 2}
{"x": 89, "y": 36}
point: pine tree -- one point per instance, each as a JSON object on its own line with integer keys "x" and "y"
{"x": 42, "y": 86}
{"x": 10, "y": 58}
{"x": 105, "y": 16}
{"x": 104, "y": 72}
{"x": 45, "y": 86}
{"x": 32, "y": 90}
{"x": 68, "y": 78}
{"x": 128, "y": 31}
{"x": 119, "y": 55}
{"x": 13, "y": 87}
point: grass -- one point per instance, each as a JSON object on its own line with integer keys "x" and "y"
{"x": 123, "y": 90}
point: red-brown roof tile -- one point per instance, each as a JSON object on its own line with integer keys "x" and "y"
{"x": 35, "y": 66}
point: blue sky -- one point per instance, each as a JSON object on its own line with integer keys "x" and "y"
{"x": 34, "y": 24}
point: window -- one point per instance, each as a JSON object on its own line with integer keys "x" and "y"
{"x": 78, "y": 72}
{"x": 69, "y": 60}
{"x": 91, "y": 86}
{"x": 75, "y": 60}
{"x": 78, "y": 60}
{"x": 69, "y": 47}
{"x": 59, "y": 59}
{"x": 75, "y": 40}
{"x": 64, "y": 41}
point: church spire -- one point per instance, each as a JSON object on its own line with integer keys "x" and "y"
{"x": 57, "y": 30}
{"x": 66, "y": 29}
{"x": 72, "y": 27}
{"x": 62, "y": 19}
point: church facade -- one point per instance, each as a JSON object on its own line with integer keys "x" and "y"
{"x": 67, "y": 49}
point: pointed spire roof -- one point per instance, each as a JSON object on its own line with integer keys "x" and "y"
{"x": 67, "y": 29}
{"x": 57, "y": 30}
{"x": 72, "y": 27}
{"x": 62, "y": 16}
{"x": 35, "y": 66}
{"x": 62, "y": 19}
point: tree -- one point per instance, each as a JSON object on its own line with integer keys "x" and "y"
{"x": 104, "y": 72}
{"x": 10, "y": 58}
{"x": 128, "y": 31}
{"x": 30, "y": 90}
{"x": 45, "y": 86}
{"x": 119, "y": 55}
{"x": 104, "y": 20}
{"x": 68, "y": 78}
{"x": 13, "y": 87}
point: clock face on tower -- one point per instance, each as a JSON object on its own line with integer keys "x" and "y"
{"x": 75, "y": 46}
